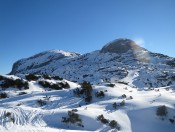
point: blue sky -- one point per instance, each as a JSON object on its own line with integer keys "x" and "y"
{"x": 31, "y": 26}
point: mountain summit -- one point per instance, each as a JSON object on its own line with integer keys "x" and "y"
{"x": 120, "y": 46}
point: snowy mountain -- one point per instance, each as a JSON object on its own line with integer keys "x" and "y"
{"x": 40, "y": 60}
{"x": 128, "y": 89}
{"x": 116, "y": 61}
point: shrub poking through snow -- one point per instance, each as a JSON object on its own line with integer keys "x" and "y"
{"x": 77, "y": 92}
{"x": 47, "y": 77}
{"x": 41, "y": 102}
{"x": 3, "y": 95}
{"x": 124, "y": 96}
{"x": 47, "y": 98}
{"x": 9, "y": 116}
{"x": 56, "y": 86}
{"x": 102, "y": 119}
{"x": 114, "y": 105}
{"x": 73, "y": 118}
{"x": 22, "y": 93}
{"x": 87, "y": 91}
{"x": 57, "y": 78}
{"x": 21, "y": 84}
{"x": 162, "y": 111}
{"x": 113, "y": 124}
{"x": 172, "y": 120}
{"x": 130, "y": 97}
{"x": 32, "y": 77}
{"x": 87, "y": 88}
{"x": 122, "y": 103}
{"x": 110, "y": 85}
{"x": 100, "y": 94}
{"x": 18, "y": 83}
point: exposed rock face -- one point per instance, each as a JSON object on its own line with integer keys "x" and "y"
{"x": 120, "y": 46}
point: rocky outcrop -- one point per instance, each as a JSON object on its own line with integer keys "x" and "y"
{"x": 121, "y": 46}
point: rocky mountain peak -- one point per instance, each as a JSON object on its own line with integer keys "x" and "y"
{"x": 121, "y": 46}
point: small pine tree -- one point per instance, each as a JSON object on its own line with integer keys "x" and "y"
{"x": 87, "y": 90}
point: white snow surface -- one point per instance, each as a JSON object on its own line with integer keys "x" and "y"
{"x": 138, "y": 114}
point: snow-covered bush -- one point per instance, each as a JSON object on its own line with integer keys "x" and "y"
{"x": 18, "y": 83}
{"x": 3, "y": 95}
{"x": 172, "y": 120}
{"x": 44, "y": 84}
{"x": 56, "y": 86}
{"x": 41, "y": 102}
{"x": 73, "y": 118}
{"x": 130, "y": 97}
{"x": 22, "y": 93}
{"x": 100, "y": 94}
{"x": 87, "y": 91}
{"x": 114, "y": 105}
{"x": 110, "y": 85}
{"x": 122, "y": 103}
{"x": 102, "y": 119}
{"x": 57, "y": 78}
{"x": 32, "y": 77}
{"x": 113, "y": 124}
{"x": 162, "y": 111}
{"x": 46, "y": 77}
{"x": 9, "y": 116}
{"x": 77, "y": 92}
{"x": 124, "y": 96}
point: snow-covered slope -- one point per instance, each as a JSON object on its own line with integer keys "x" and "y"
{"x": 115, "y": 61}
{"x": 42, "y": 59}
{"x": 23, "y": 110}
